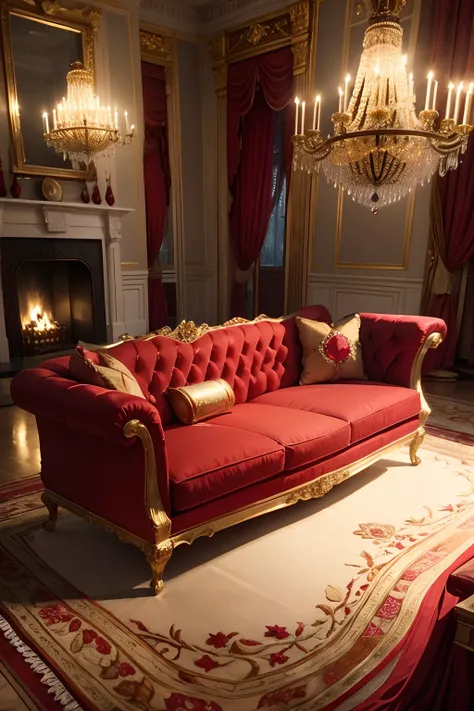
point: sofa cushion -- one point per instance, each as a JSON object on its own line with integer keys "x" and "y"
{"x": 306, "y": 436}
{"x": 368, "y": 407}
{"x": 207, "y": 461}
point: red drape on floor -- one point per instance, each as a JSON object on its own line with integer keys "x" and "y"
{"x": 256, "y": 88}
{"x": 431, "y": 673}
{"x": 452, "y": 39}
{"x": 157, "y": 184}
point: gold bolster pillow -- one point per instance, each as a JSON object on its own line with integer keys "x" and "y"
{"x": 193, "y": 403}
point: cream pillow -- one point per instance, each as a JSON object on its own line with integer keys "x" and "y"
{"x": 110, "y": 373}
{"x": 330, "y": 352}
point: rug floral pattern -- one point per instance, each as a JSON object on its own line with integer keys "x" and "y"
{"x": 155, "y": 663}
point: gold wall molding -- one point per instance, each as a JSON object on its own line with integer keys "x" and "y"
{"x": 400, "y": 266}
{"x": 290, "y": 27}
{"x": 156, "y": 46}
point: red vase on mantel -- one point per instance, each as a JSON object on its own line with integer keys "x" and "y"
{"x": 85, "y": 197}
{"x": 96, "y": 196}
{"x": 15, "y": 187}
{"x": 109, "y": 195}
{"x": 3, "y": 187}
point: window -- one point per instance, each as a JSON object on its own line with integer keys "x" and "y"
{"x": 273, "y": 250}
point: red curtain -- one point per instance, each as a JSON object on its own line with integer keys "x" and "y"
{"x": 256, "y": 88}
{"x": 452, "y": 39}
{"x": 157, "y": 185}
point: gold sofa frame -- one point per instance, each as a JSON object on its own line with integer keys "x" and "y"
{"x": 159, "y": 552}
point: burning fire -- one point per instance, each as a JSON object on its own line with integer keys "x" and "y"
{"x": 37, "y": 319}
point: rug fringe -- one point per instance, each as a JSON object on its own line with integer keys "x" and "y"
{"x": 49, "y": 678}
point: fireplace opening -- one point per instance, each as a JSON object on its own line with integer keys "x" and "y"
{"x": 55, "y": 300}
{"x": 53, "y": 294}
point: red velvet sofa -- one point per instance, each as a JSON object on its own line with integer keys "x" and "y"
{"x": 126, "y": 464}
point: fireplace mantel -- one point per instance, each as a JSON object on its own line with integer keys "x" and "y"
{"x": 70, "y": 220}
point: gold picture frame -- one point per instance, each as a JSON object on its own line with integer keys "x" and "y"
{"x": 78, "y": 20}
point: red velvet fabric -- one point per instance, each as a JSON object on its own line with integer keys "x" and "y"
{"x": 83, "y": 425}
{"x": 253, "y": 358}
{"x": 367, "y": 408}
{"x": 431, "y": 673}
{"x": 306, "y": 436}
{"x": 274, "y": 74}
{"x": 452, "y": 43}
{"x": 106, "y": 478}
{"x": 252, "y": 194}
{"x": 461, "y": 582}
{"x": 206, "y": 462}
{"x": 157, "y": 182}
{"x": 81, "y": 428}
{"x": 255, "y": 88}
{"x": 287, "y": 480}
{"x": 390, "y": 344}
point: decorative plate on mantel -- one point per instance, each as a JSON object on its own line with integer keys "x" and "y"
{"x": 52, "y": 190}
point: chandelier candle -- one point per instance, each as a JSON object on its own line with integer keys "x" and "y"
{"x": 380, "y": 149}
{"x": 297, "y": 102}
{"x": 428, "y": 91}
{"x": 448, "y": 102}
{"x": 82, "y": 128}
{"x": 435, "y": 94}
{"x": 457, "y": 103}
{"x": 467, "y": 105}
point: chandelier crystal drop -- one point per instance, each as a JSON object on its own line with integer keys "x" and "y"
{"x": 83, "y": 129}
{"x": 380, "y": 150}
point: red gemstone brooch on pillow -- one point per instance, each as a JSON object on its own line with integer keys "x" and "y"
{"x": 330, "y": 352}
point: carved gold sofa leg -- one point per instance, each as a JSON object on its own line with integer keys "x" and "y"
{"x": 157, "y": 557}
{"x": 415, "y": 445}
{"x": 52, "y": 507}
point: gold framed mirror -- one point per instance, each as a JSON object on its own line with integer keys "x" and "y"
{"x": 40, "y": 41}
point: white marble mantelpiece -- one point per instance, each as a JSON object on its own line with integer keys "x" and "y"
{"x": 70, "y": 220}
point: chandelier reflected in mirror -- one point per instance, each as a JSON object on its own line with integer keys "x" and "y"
{"x": 82, "y": 128}
{"x": 380, "y": 150}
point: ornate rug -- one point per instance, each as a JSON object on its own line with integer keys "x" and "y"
{"x": 451, "y": 419}
{"x": 311, "y": 607}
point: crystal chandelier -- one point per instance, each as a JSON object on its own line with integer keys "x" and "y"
{"x": 380, "y": 150}
{"x": 83, "y": 129}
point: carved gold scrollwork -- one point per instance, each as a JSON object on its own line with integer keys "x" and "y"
{"x": 317, "y": 488}
{"x": 299, "y": 14}
{"x": 83, "y": 15}
{"x": 300, "y": 56}
{"x": 291, "y": 27}
{"x": 159, "y": 46}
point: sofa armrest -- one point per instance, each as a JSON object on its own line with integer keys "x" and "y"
{"x": 393, "y": 347}
{"x": 110, "y": 416}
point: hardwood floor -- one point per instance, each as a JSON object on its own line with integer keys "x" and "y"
{"x": 19, "y": 445}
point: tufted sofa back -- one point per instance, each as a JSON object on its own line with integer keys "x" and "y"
{"x": 253, "y": 358}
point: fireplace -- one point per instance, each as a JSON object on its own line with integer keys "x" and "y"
{"x": 53, "y": 293}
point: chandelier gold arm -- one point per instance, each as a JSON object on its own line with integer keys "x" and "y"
{"x": 313, "y": 144}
